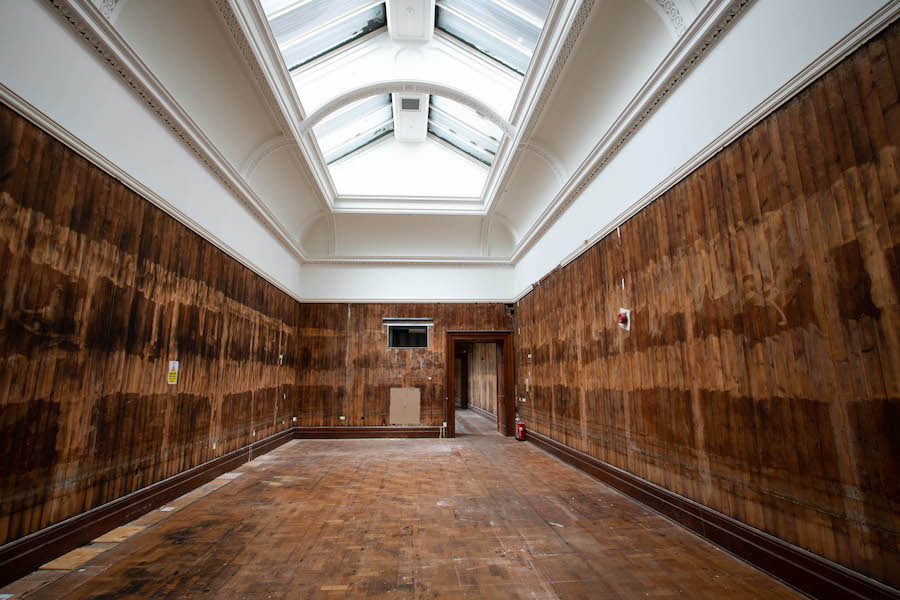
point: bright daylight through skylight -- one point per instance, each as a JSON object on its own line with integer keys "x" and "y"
{"x": 392, "y": 143}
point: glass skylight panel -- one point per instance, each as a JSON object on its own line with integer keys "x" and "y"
{"x": 464, "y": 129}
{"x": 507, "y": 31}
{"x": 307, "y": 29}
{"x": 355, "y": 126}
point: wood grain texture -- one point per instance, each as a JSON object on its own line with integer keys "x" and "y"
{"x": 479, "y": 516}
{"x": 483, "y": 372}
{"x": 100, "y": 290}
{"x": 346, "y": 368}
{"x": 761, "y": 375}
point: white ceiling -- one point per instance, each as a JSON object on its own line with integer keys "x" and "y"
{"x": 423, "y": 192}
{"x": 590, "y": 98}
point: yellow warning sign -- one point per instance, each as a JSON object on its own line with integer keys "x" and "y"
{"x": 173, "y": 372}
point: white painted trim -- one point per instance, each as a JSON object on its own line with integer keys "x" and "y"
{"x": 823, "y": 63}
{"x": 562, "y": 29}
{"x": 707, "y": 29}
{"x": 405, "y": 205}
{"x": 101, "y": 38}
{"x": 457, "y": 261}
{"x": 373, "y": 300}
{"x": 250, "y": 30}
{"x": 548, "y": 157}
{"x": 70, "y": 140}
{"x": 408, "y": 86}
{"x": 671, "y": 16}
{"x": 258, "y": 154}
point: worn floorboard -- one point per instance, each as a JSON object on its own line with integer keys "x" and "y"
{"x": 478, "y": 516}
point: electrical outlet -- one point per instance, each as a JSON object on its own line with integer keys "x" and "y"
{"x": 254, "y": 434}
{"x": 342, "y": 418}
{"x": 214, "y": 445}
{"x": 280, "y": 358}
{"x": 295, "y": 419}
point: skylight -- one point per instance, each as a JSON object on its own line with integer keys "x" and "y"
{"x": 351, "y": 128}
{"x": 480, "y": 48}
{"x": 464, "y": 129}
{"x": 505, "y": 30}
{"x": 307, "y": 29}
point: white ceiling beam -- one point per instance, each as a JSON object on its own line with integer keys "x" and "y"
{"x": 410, "y": 20}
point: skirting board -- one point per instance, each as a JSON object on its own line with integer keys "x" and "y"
{"x": 330, "y": 433}
{"x": 805, "y": 571}
{"x": 483, "y": 413}
{"x": 20, "y": 557}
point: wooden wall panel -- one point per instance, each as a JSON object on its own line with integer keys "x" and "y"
{"x": 761, "y": 376}
{"x": 346, "y": 368}
{"x": 483, "y": 362}
{"x": 99, "y": 291}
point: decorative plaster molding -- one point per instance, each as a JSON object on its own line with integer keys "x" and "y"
{"x": 249, "y": 28}
{"x": 668, "y": 10}
{"x": 410, "y": 86}
{"x": 706, "y": 30}
{"x": 261, "y": 152}
{"x": 281, "y": 111}
{"x": 107, "y": 7}
{"x": 510, "y": 153}
{"x": 548, "y": 157}
{"x": 412, "y": 261}
{"x": 86, "y": 21}
{"x": 821, "y": 65}
{"x": 57, "y": 131}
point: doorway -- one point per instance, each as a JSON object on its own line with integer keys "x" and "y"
{"x": 506, "y": 409}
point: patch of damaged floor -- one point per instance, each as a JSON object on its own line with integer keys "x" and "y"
{"x": 478, "y": 516}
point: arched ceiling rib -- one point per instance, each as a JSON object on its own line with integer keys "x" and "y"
{"x": 408, "y": 86}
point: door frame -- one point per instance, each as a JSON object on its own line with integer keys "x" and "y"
{"x": 506, "y": 406}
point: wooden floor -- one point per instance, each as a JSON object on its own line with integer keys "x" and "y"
{"x": 479, "y": 516}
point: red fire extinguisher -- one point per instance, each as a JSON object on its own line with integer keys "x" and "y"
{"x": 520, "y": 431}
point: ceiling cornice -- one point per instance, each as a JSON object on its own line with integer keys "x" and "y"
{"x": 90, "y": 26}
{"x": 818, "y": 67}
{"x": 705, "y": 31}
{"x": 565, "y": 23}
{"x": 246, "y": 23}
{"x": 92, "y": 155}
{"x": 668, "y": 10}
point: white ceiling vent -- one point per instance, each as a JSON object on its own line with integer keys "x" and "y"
{"x": 410, "y": 117}
{"x": 410, "y": 20}
{"x": 409, "y": 103}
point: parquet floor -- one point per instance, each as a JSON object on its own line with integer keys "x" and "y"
{"x": 479, "y": 516}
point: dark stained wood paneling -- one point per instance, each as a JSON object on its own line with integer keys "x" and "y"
{"x": 761, "y": 376}
{"x": 346, "y": 368}
{"x": 483, "y": 376}
{"x": 99, "y": 291}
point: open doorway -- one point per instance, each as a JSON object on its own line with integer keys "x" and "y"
{"x": 493, "y": 351}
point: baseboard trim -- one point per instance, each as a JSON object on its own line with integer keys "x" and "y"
{"x": 24, "y": 555}
{"x": 805, "y": 571}
{"x": 337, "y": 433}
{"x": 483, "y": 413}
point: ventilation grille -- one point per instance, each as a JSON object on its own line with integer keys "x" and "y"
{"x": 409, "y": 104}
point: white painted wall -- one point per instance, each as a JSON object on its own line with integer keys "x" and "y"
{"x": 621, "y": 44}
{"x": 202, "y": 69}
{"x": 408, "y": 235}
{"x": 55, "y": 73}
{"x": 771, "y": 44}
{"x": 363, "y": 283}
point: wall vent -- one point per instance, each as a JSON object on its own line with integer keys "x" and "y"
{"x": 409, "y": 104}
